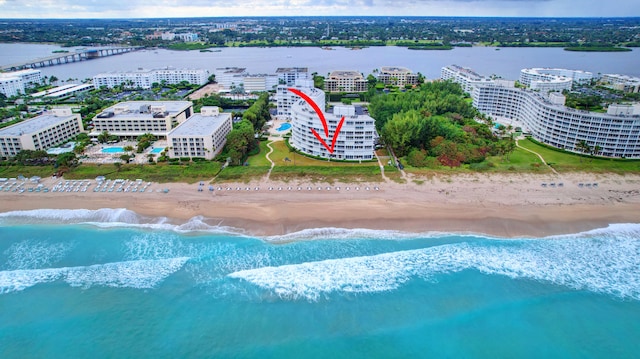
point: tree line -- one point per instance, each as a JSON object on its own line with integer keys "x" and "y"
{"x": 435, "y": 125}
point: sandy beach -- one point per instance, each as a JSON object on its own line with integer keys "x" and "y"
{"x": 499, "y": 205}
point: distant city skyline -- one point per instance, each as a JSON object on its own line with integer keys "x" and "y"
{"x": 218, "y": 8}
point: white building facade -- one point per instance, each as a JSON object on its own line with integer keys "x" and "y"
{"x": 549, "y": 121}
{"x": 355, "y": 140}
{"x": 145, "y": 78}
{"x": 289, "y": 75}
{"x": 345, "y": 81}
{"x": 15, "y": 83}
{"x": 40, "y": 133}
{"x": 202, "y": 135}
{"x": 622, "y": 82}
{"x": 398, "y": 76}
{"x": 285, "y": 98}
{"x": 134, "y": 118}
{"x": 466, "y": 77}
{"x": 544, "y": 75}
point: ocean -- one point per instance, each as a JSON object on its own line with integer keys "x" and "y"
{"x": 113, "y": 284}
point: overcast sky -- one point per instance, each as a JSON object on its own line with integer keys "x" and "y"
{"x": 201, "y": 8}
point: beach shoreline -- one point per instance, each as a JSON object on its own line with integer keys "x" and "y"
{"x": 506, "y": 206}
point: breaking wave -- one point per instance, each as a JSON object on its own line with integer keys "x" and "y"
{"x": 603, "y": 261}
{"x": 129, "y": 274}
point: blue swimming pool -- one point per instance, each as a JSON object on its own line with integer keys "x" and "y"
{"x": 112, "y": 150}
{"x": 283, "y": 127}
{"x": 157, "y": 150}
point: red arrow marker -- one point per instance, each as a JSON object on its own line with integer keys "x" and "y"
{"x": 323, "y": 120}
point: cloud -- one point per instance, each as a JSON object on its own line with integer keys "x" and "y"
{"x": 201, "y": 8}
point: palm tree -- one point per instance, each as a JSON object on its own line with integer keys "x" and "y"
{"x": 583, "y": 147}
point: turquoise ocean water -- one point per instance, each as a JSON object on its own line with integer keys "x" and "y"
{"x": 111, "y": 284}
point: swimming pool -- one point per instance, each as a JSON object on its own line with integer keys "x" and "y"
{"x": 112, "y": 150}
{"x": 157, "y": 150}
{"x": 283, "y": 127}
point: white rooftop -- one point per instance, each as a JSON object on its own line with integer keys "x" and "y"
{"x": 34, "y": 125}
{"x": 133, "y": 108}
{"x": 198, "y": 125}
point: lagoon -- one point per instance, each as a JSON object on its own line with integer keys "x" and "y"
{"x": 505, "y": 63}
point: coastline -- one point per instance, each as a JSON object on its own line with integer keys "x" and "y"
{"x": 504, "y": 206}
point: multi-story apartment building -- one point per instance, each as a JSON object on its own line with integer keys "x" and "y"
{"x": 355, "y": 140}
{"x": 229, "y": 77}
{"x": 345, "y": 81}
{"x": 134, "y": 118}
{"x": 203, "y": 134}
{"x": 289, "y": 75}
{"x": 40, "y": 133}
{"x": 285, "y": 98}
{"x": 530, "y": 76}
{"x": 145, "y": 78}
{"x": 621, "y": 82}
{"x": 259, "y": 83}
{"x": 14, "y": 83}
{"x": 547, "y": 119}
{"x": 398, "y": 76}
{"x": 466, "y": 77}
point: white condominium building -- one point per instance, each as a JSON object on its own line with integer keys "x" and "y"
{"x": 145, "y": 78}
{"x": 355, "y": 140}
{"x": 466, "y": 77}
{"x": 345, "y": 81}
{"x": 285, "y": 98}
{"x": 398, "y": 76}
{"x": 134, "y": 118}
{"x": 202, "y": 135}
{"x": 40, "y": 133}
{"x": 14, "y": 83}
{"x": 539, "y": 78}
{"x": 259, "y": 83}
{"x": 622, "y": 82}
{"x": 229, "y": 77}
{"x": 547, "y": 119}
{"x": 289, "y": 75}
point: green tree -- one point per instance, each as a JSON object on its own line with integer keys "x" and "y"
{"x": 403, "y": 131}
{"x": 583, "y": 147}
{"x": 240, "y": 141}
{"x": 67, "y": 159}
{"x": 104, "y": 137}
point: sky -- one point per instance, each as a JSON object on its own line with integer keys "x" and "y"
{"x": 221, "y": 8}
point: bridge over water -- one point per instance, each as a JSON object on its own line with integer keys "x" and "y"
{"x": 69, "y": 57}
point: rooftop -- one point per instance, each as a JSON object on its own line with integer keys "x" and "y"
{"x": 346, "y": 74}
{"x": 281, "y": 70}
{"x": 395, "y": 69}
{"x": 143, "y": 108}
{"x": 34, "y": 125}
{"x": 198, "y": 125}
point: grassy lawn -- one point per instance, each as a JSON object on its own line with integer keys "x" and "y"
{"x": 281, "y": 151}
{"x": 261, "y": 158}
{"x": 567, "y": 162}
{"x": 328, "y": 174}
{"x": 14, "y": 171}
{"x": 242, "y": 174}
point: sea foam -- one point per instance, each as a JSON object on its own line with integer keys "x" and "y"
{"x": 130, "y": 274}
{"x": 112, "y": 218}
{"x": 604, "y": 262}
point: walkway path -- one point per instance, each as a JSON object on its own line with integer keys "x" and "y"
{"x": 269, "y": 158}
{"x": 539, "y": 155}
{"x": 385, "y": 178}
